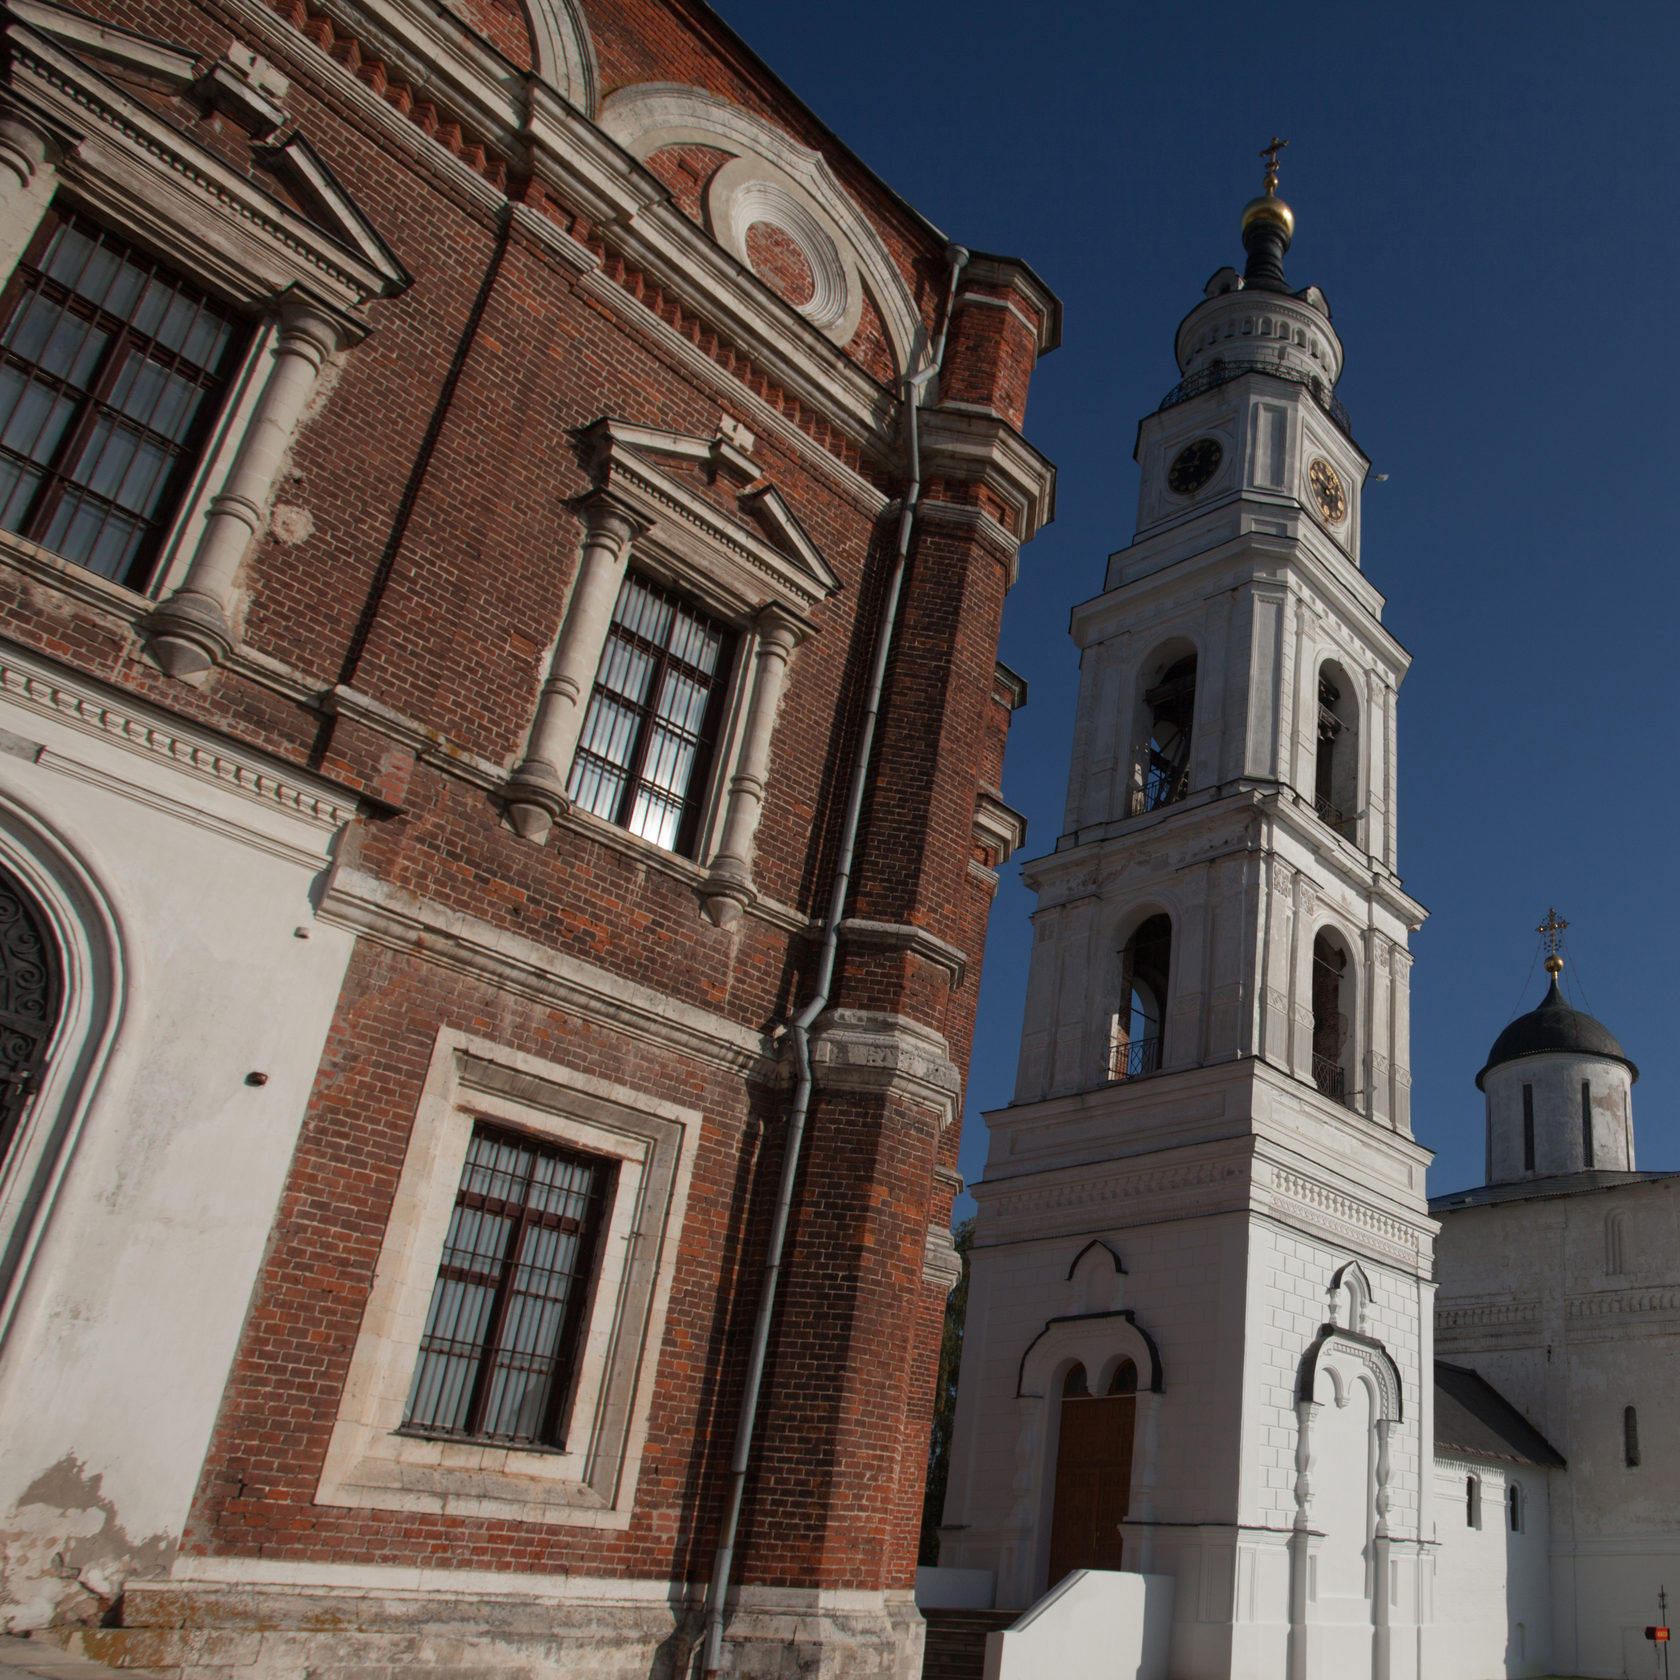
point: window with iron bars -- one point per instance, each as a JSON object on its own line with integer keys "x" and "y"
{"x": 112, "y": 371}
{"x": 646, "y": 747}
{"x": 500, "y": 1345}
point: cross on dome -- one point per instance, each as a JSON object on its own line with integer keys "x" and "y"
{"x": 1270, "y": 154}
{"x": 1549, "y": 930}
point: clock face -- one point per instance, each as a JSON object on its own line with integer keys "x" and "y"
{"x": 1327, "y": 491}
{"x": 1194, "y": 465}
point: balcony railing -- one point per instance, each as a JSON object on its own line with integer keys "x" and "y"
{"x": 1134, "y": 1059}
{"x": 1331, "y": 1078}
{"x": 1164, "y": 782}
{"x": 1331, "y": 816}
{"x": 1222, "y": 373}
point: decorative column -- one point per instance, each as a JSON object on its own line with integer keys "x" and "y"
{"x": 1300, "y": 1543}
{"x": 535, "y": 793}
{"x": 1382, "y": 1609}
{"x": 28, "y": 174}
{"x": 729, "y": 886}
{"x": 190, "y": 631}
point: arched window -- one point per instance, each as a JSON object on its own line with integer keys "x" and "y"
{"x": 1124, "y": 1380}
{"x": 1472, "y": 1501}
{"x": 1586, "y": 1124}
{"x": 1513, "y": 1507}
{"x": 1336, "y": 773}
{"x": 1630, "y": 1437}
{"x": 1076, "y": 1385}
{"x": 1528, "y": 1128}
{"x": 1332, "y": 1009}
{"x": 1163, "y": 756}
{"x": 1135, "y": 1034}
{"x": 30, "y": 989}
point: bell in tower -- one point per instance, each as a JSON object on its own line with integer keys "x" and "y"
{"x": 1206, "y": 1188}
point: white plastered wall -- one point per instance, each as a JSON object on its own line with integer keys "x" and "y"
{"x": 1492, "y": 1586}
{"x": 140, "y": 1194}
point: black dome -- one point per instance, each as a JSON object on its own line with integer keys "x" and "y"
{"x": 1555, "y": 1027}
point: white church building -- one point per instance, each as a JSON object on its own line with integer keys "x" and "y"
{"x": 1218, "y": 1340}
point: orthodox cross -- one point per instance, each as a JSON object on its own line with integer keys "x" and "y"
{"x": 1270, "y": 154}
{"x": 1549, "y": 930}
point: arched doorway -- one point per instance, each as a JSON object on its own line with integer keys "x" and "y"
{"x": 30, "y": 992}
{"x": 1093, "y": 1471}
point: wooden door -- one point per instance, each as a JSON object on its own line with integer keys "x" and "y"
{"x": 1093, "y": 1481}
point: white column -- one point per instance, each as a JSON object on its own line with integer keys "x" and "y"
{"x": 190, "y": 632}
{"x": 536, "y": 792}
{"x": 729, "y": 887}
{"x": 28, "y": 176}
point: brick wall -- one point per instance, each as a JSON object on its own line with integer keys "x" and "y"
{"x": 428, "y": 567}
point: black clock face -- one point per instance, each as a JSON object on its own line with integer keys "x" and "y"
{"x": 1327, "y": 491}
{"x": 1194, "y": 465}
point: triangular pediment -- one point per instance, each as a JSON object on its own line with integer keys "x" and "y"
{"x": 691, "y": 487}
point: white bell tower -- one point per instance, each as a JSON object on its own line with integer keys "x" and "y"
{"x": 1207, "y": 1184}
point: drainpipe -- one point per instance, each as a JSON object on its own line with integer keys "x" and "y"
{"x": 718, "y": 1590}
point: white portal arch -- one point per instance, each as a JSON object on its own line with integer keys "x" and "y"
{"x": 97, "y": 977}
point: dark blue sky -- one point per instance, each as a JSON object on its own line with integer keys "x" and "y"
{"x": 1487, "y": 193}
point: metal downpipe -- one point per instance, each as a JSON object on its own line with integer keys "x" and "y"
{"x": 800, "y": 1032}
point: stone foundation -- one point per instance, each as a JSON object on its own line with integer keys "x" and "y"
{"x": 478, "y": 1630}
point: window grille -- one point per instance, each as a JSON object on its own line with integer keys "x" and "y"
{"x": 29, "y": 999}
{"x": 647, "y": 740}
{"x": 497, "y": 1356}
{"x": 112, "y": 370}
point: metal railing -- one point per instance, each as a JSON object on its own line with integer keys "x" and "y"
{"x": 1164, "y": 782}
{"x": 1135, "y": 1058}
{"x": 1222, "y": 373}
{"x": 1331, "y": 816}
{"x": 1331, "y": 1078}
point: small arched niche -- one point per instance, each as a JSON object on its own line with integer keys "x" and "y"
{"x": 1333, "y": 985}
{"x": 1161, "y": 771}
{"x": 1336, "y": 771}
{"x": 1138, "y": 1023}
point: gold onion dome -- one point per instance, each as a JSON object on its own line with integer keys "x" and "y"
{"x": 1268, "y": 207}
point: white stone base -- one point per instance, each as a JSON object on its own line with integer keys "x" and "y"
{"x": 551, "y": 1629}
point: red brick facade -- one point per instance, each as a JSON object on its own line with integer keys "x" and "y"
{"x": 393, "y": 624}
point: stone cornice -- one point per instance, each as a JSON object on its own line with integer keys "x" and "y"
{"x": 1254, "y": 559}
{"x": 391, "y": 916}
{"x": 862, "y": 935}
{"x": 862, "y": 1050}
{"x": 131, "y": 723}
{"x": 976, "y": 446}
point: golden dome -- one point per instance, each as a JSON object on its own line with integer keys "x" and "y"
{"x": 1268, "y": 207}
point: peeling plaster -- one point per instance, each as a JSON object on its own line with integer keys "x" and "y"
{"x": 64, "y": 1554}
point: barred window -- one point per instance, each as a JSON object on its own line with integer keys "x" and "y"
{"x": 112, "y": 370}
{"x": 499, "y": 1349}
{"x": 647, "y": 739}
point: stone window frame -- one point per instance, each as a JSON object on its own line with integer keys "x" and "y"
{"x": 591, "y": 1482}
{"x": 299, "y": 279}
{"x": 753, "y": 567}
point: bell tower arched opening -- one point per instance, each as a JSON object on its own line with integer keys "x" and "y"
{"x": 1162, "y": 773}
{"x": 1336, "y": 771}
{"x": 1332, "y": 1016}
{"x": 1139, "y": 1022}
